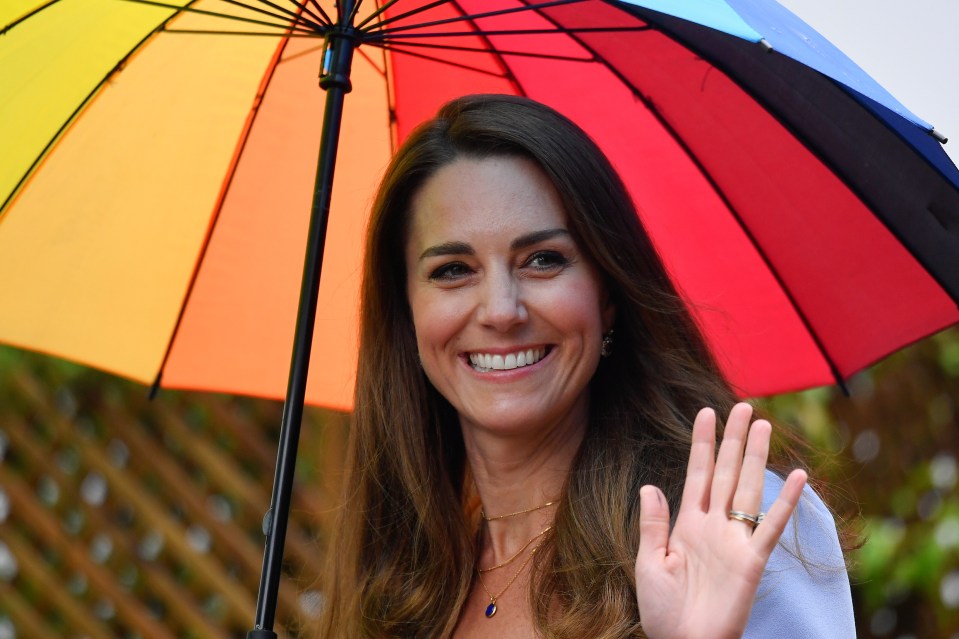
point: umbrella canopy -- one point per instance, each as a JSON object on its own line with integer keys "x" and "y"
{"x": 156, "y": 176}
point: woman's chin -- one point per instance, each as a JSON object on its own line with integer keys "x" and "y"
{"x": 510, "y": 420}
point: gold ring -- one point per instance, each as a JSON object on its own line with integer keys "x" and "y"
{"x": 753, "y": 520}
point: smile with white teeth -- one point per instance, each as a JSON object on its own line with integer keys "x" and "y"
{"x": 485, "y": 362}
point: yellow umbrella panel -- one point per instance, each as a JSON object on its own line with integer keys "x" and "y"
{"x": 174, "y": 205}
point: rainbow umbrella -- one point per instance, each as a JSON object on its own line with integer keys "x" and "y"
{"x": 159, "y": 161}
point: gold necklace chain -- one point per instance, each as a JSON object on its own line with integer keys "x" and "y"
{"x": 518, "y": 512}
{"x": 518, "y": 553}
{"x": 491, "y": 607}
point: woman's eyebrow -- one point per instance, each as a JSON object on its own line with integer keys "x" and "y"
{"x": 448, "y": 248}
{"x": 536, "y": 237}
{"x": 462, "y": 248}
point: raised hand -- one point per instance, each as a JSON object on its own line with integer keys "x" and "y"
{"x": 699, "y": 580}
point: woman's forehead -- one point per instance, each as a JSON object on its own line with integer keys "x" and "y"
{"x": 497, "y": 198}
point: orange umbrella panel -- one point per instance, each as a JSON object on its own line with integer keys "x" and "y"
{"x": 181, "y": 154}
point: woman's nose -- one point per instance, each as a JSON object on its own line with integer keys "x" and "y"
{"x": 501, "y": 306}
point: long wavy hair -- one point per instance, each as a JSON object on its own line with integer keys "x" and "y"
{"x": 403, "y": 552}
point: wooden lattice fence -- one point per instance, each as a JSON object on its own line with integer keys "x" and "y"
{"x": 123, "y": 517}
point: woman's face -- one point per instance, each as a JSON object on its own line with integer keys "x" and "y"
{"x": 509, "y": 313}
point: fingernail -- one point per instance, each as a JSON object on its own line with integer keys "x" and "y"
{"x": 646, "y": 490}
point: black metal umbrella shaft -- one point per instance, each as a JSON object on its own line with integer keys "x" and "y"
{"x": 335, "y": 78}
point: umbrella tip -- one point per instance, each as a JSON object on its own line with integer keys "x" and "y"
{"x": 843, "y": 387}
{"x": 940, "y": 138}
{"x": 154, "y": 387}
{"x": 764, "y": 43}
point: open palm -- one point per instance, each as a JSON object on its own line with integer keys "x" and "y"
{"x": 699, "y": 579}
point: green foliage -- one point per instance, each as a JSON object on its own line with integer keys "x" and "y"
{"x": 948, "y": 354}
{"x": 891, "y": 447}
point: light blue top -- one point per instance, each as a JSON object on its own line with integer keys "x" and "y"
{"x": 795, "y": 600}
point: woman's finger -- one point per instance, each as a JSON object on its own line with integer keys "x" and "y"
{"x": 653, "y": 527}
{"x": 730, "y": 457}
{"x": 749, "y": 489}
{"x": 699, "y": 470}
{"x": 767, "y": 534}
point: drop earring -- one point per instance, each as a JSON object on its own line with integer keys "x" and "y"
{"x": 607, "y": 348}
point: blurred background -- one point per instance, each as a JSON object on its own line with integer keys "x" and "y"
{"x": 125, "y": 517}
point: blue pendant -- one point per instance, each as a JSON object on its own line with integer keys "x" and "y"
{"x": 491, "y": 609}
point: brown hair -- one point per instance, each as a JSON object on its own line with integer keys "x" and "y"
{"x": 403, "y": 553}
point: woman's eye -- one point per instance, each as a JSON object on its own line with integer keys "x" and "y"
{"x": 450, "y": 272}
{"x": 547, "y": 260}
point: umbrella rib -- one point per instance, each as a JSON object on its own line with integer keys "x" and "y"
{"x": 316, "y": 4}
{"x": 395, "y": 47}
{"x": 28, "y": 15}
{"x": 373, "y": 16}
{"x": 370, "y": 60}
{"x": 298, "y": 18}
{"x": 80, "y": 106}
{"x": 412, "y": 12}
{"x": 390, "y": 98}
{"x": 497, "y": 56}
{"x": 450, "y": 47}
{"x": 225, "y": 16}
{"x": 423, "y": 56}
{"x": 353, "y": 12}
{"x": 597, "y": 57}
{"x": 300, "y": 54}
{"x": 288, "y": 14}
{"x": 321, "y": 19}
{"x": 245, "y": 33}
{"x": 473, "y": 17}
{"x": 389, "y": 35}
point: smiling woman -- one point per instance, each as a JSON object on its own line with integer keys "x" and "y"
{"x": 493, "y": 273}
{"x": 534, "y": 451}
